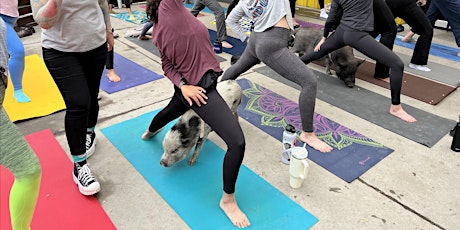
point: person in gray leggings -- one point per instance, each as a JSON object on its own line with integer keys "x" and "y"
{"x": 269, "y": 44}
{"x": 219, "y": 14}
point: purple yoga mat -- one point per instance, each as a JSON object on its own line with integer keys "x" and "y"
{"x": 353, "y": 153}
{"x": 131, "y": 75}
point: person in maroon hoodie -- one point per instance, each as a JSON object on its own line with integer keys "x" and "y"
{"x": 188, "y": 60}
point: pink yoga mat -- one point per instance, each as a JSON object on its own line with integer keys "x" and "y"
{"x": 60, "y": 205}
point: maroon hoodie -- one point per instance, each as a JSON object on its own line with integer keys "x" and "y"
{"x": 184, "y": 45}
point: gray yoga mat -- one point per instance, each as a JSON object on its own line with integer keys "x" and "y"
{"x": 148, "y": 45}
{"x": 428, "y": 129}
{"x": 439, "y": 73}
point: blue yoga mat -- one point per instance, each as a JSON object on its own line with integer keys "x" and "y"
{"x": 131, "y": 75}
{"x": 353, "y": 153}
{"x": 194, "y": 192}
{"x": 140, "y": 17}
{"x": 238, "y": 45}
{"x": 439, "y": 50}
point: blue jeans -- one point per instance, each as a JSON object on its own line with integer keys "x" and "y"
{"x": 448, "y": 9}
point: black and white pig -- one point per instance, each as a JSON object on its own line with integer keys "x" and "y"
{"x": 190, "y": 130}
{"x": 343, "y": 60}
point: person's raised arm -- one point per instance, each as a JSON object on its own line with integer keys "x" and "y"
{"x": 45, "y": 12}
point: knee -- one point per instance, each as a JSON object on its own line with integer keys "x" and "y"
{"x": 77, "y": 107}
{"x": 238, "y": 145}
{"x": 398, "y": 64}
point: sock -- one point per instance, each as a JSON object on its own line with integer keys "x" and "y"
{"x": 23, "y": 198}
{"x": 90, "y": 130}
{"x": 79, "y": 159}
{"x": 20, "y": 96}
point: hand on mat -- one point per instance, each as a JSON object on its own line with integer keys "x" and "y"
{"x": 318, "y": 46}
{"x": 195, "y": 93}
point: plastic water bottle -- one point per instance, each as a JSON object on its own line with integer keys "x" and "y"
{"x": 289, "y": 140}
{"x": 217, "y": 47}
{"x": 456, "y": 140}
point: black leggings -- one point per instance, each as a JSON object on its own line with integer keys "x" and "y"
{"x": 109, "y": 61}
{"x": 367, "y": 45}
{"x": 414, "y": 16}
{"x": 218, "y": 116}
{"x": 78, "y": 76}
{"x": 385, "y": 26}
{"x": 292, "y": 5}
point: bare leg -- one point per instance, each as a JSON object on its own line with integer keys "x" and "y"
{"x": 233, "y": 212}
{"x": 113, "y": 76}
{"x": 398, "y": 111}
{"x": 313, "y": 141}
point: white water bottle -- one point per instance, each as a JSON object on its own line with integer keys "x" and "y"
{"x": 289, "y": 140}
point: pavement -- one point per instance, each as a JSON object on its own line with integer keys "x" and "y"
{"x": 415, "y": 187}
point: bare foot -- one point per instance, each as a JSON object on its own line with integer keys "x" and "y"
{"x": 408, "y": 37}
{"x": 227, "y": 45}
{"x": 387, "y": 79}
{"x": 313, "y": 141}
{"x": 233, "y": 212}
{"x": 398, "y": 111}
{"x": 113, "y": 76}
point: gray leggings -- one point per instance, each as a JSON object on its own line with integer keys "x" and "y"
{"x": 271, "y": 47}
{"x": 218, "y": 12}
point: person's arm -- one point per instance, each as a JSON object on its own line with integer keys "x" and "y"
{"x": 108, "y": 25}
{"x": 45, "y": 12}
{"x": 333, "y": 19}
{"x": 233, "y": 21}
{"x": 191, "y": 93}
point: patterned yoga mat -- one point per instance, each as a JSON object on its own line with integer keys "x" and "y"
{"x": 140, "y": 17}
{"x": 353, "y": 153}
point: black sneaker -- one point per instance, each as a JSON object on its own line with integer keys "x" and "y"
{"x": 87, "y": 183}
{"x": 90, "y": 143}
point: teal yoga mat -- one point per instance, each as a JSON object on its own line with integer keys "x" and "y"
{"x": 194, "y": 191}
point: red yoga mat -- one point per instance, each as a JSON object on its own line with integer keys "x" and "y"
{"x": 60, "y": 205}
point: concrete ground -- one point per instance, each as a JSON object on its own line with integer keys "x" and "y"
{"x": 415, "y": 187}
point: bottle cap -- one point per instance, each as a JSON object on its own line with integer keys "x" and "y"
{"x": 290, "y": 128}
{"x": 299, "y": 153}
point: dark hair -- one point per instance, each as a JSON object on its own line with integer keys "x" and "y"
{"x": 152, "y": 10}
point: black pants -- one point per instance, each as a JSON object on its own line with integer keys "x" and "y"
{"x": 414, "y": 16}
{"x": 78, "y": 76}
{"x": 219, "y": 117}
{"x": 367, "y": 45}
{"x": 385, "y": 26}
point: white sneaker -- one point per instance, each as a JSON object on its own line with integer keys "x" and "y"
{"x": 87, "y": 183}
{"x": 323, "y": 14}
{"x": 419, "y": 67}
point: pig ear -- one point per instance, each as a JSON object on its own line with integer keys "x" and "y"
{"x": 194, "y": 121}
{"x": 181, "y": 128}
